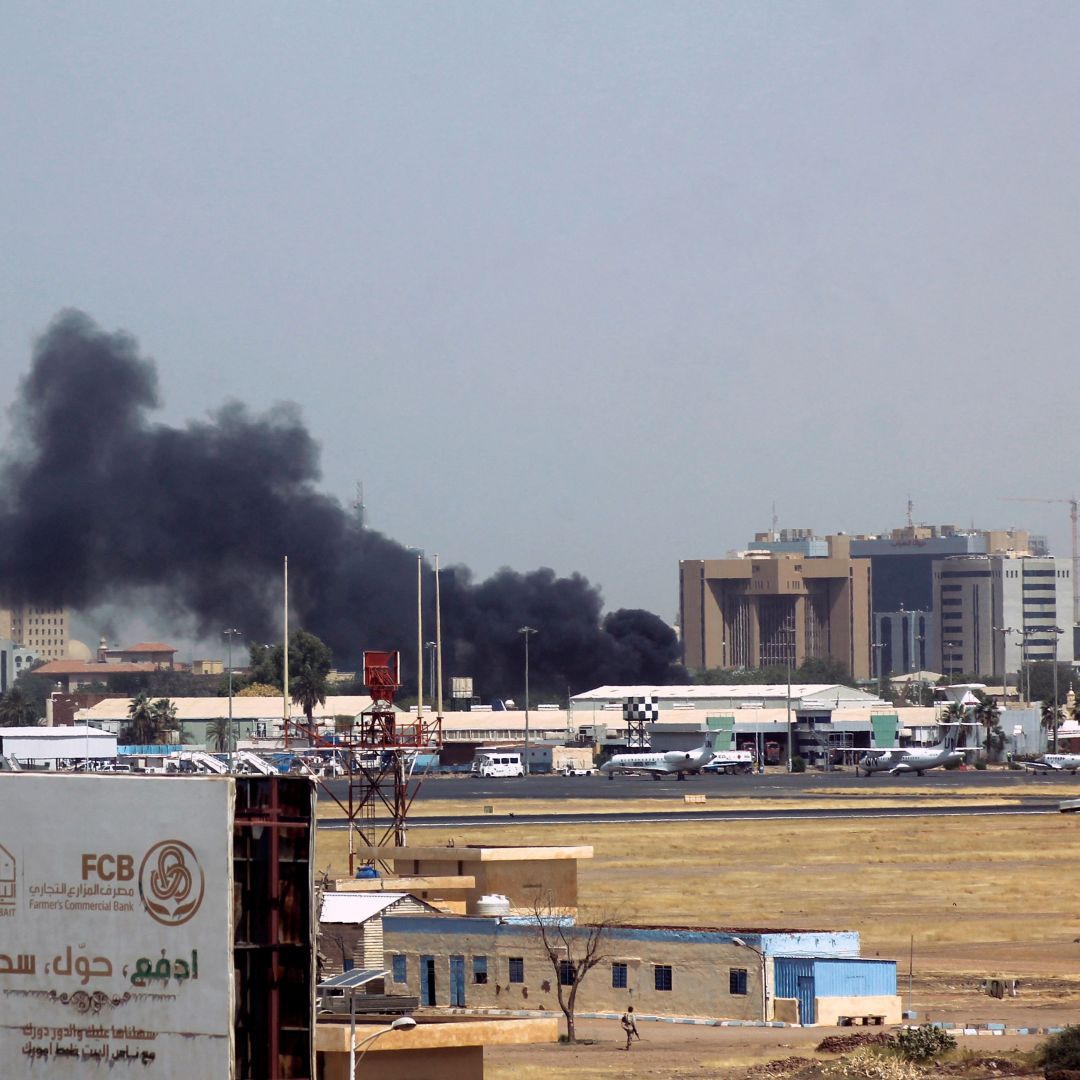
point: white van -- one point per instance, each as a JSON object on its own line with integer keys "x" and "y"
{"x": 498, "y": 763}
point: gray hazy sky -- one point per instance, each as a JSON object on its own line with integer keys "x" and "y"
{"x": 580, "y": 285}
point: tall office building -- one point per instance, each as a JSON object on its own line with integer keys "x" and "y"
{"x": 995, "y": 612}
{"x": 906, "y": 625}
{"x": 762, "y": 609}
{"x": 904, "y": 642}
{"x": 44, "y": 630}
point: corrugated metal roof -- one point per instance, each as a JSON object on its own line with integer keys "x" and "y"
{"x": 738, "y": 691}
{"x": 243, "y": 708}
{"x": 41, "y": 732}
{"x": 350, "y": 907}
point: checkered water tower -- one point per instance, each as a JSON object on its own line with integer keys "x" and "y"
{"x": 638, "y": 713}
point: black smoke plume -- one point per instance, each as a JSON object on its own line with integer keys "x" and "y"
{"x": 100, "y": 504}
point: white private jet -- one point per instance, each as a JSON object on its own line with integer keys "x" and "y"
{"x": 676, "y": 763}
{"x": 909, "y": 760}
{"x": 1054, "y": 763}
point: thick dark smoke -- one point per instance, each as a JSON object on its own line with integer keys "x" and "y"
{"x": 99, "y": 504}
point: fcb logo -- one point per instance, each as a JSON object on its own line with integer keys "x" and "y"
{"x": 171, "y": 882}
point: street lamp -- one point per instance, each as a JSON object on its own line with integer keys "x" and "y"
{"x": 527, "y": 631}
{"x": 402, "y": 1023}
{"x": 1024, "y": 635}
{"x": 230, "y": 634}
{"x": 1004, "y": 631}
{"x": 742, "y": 944}
{"x": 878, "y": 662}
{"x": 951, "y": 645}
{"x": 430, "y": 646}
{"x": 921, "y": 657}
{"x": 1057, "y": 632}
{"x": 788, "y": 654}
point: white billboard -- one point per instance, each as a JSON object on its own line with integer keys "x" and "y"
{"x": 115, "y": 926}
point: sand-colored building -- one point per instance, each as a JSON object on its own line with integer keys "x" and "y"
{"x": 433, "y": 1050}
{"x": 44, "y": 630}
{"x": 773, "y": 609}
{"x": 456, "y": 878}
{"x": 806, "y": 976}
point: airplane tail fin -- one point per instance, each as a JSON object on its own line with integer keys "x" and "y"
{"x": 711, "y": 739}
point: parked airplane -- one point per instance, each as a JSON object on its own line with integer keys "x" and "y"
{"x": 1054, "y": 762}
{"x": 909, "y": 760}
{"x": 676, "y": 763}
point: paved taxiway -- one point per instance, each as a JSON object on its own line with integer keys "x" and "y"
{"x": 1025, "y": 794}
{"x": 774, "y": 784}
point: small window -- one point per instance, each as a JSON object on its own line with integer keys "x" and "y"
{"x": 662, "y": 976}
{"x": 401, "y": 970}
{"x": 618, "y": 976}
{"x": 737, "y": 981}
{"x": 566, "y": 973}
{"x": 347, "y": 964}
{"x": 479, "y": 969}
{"x": 517, "y": 969}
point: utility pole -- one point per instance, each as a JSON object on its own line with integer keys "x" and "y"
{"x": 527, "y": 631}
{"x": 1057, "y": 631}
{"x": 231, "y": 634}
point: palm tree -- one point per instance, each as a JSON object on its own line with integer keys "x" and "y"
{"x": 218, "y": 733}
{"x": 164, "y": 717}
{"x": 309, "y": 668}
{"x": 141, "y": 728}
{"x": 16, "y": 709}
{"x": 955, "y": 713}
{"x": 1051, "y": 719}
{"x": 987, "y": 713}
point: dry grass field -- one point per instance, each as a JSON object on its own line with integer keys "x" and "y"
{"x": 979, "y": 896}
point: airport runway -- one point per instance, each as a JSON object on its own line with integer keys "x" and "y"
{"x": 773, "y": 785}
{"x": 808, "y": 787}
{"x": 419, "y": 821}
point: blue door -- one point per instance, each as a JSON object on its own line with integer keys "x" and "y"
{"x": 457, "y": 981}
{"x": 427, "y": 980}
{"x": 805, "y": 993}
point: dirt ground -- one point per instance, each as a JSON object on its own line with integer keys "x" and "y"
{"x": 677, "y": 1052}
{"x": 965, "y": 898}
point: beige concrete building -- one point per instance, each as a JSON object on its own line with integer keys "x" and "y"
{"x": 443, "y": 1050}
{"x": 975, "y": 596}
{"x": 760, "y": 610}
{"x": 157, "y": 653}
{"x": 801, "y": 976}
{"x": 44, "y": 630}
{"x": 455, "y": 878}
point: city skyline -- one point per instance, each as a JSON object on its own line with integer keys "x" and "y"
{"x": 577, "y": 286}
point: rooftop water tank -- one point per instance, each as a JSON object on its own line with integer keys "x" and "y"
{"x": 493, "y": 904}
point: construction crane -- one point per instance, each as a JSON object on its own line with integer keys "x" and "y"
{"x": 1072, "y": 504}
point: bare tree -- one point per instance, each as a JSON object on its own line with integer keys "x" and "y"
{"x": 573, "y": 949}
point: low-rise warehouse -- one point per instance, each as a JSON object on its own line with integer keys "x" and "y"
{"x": 801, "y": 976}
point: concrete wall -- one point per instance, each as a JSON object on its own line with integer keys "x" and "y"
{"x": 700, "y": 968}
{"x": 829, "y": 1008}
{"x": 786, "y": 1010}
{"x": 440, "y": 1063}
{"x": 435, "y": 1050}
{"x": 524, "y": 881}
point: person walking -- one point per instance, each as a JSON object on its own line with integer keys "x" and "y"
{"x": 629, "y": 1025}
